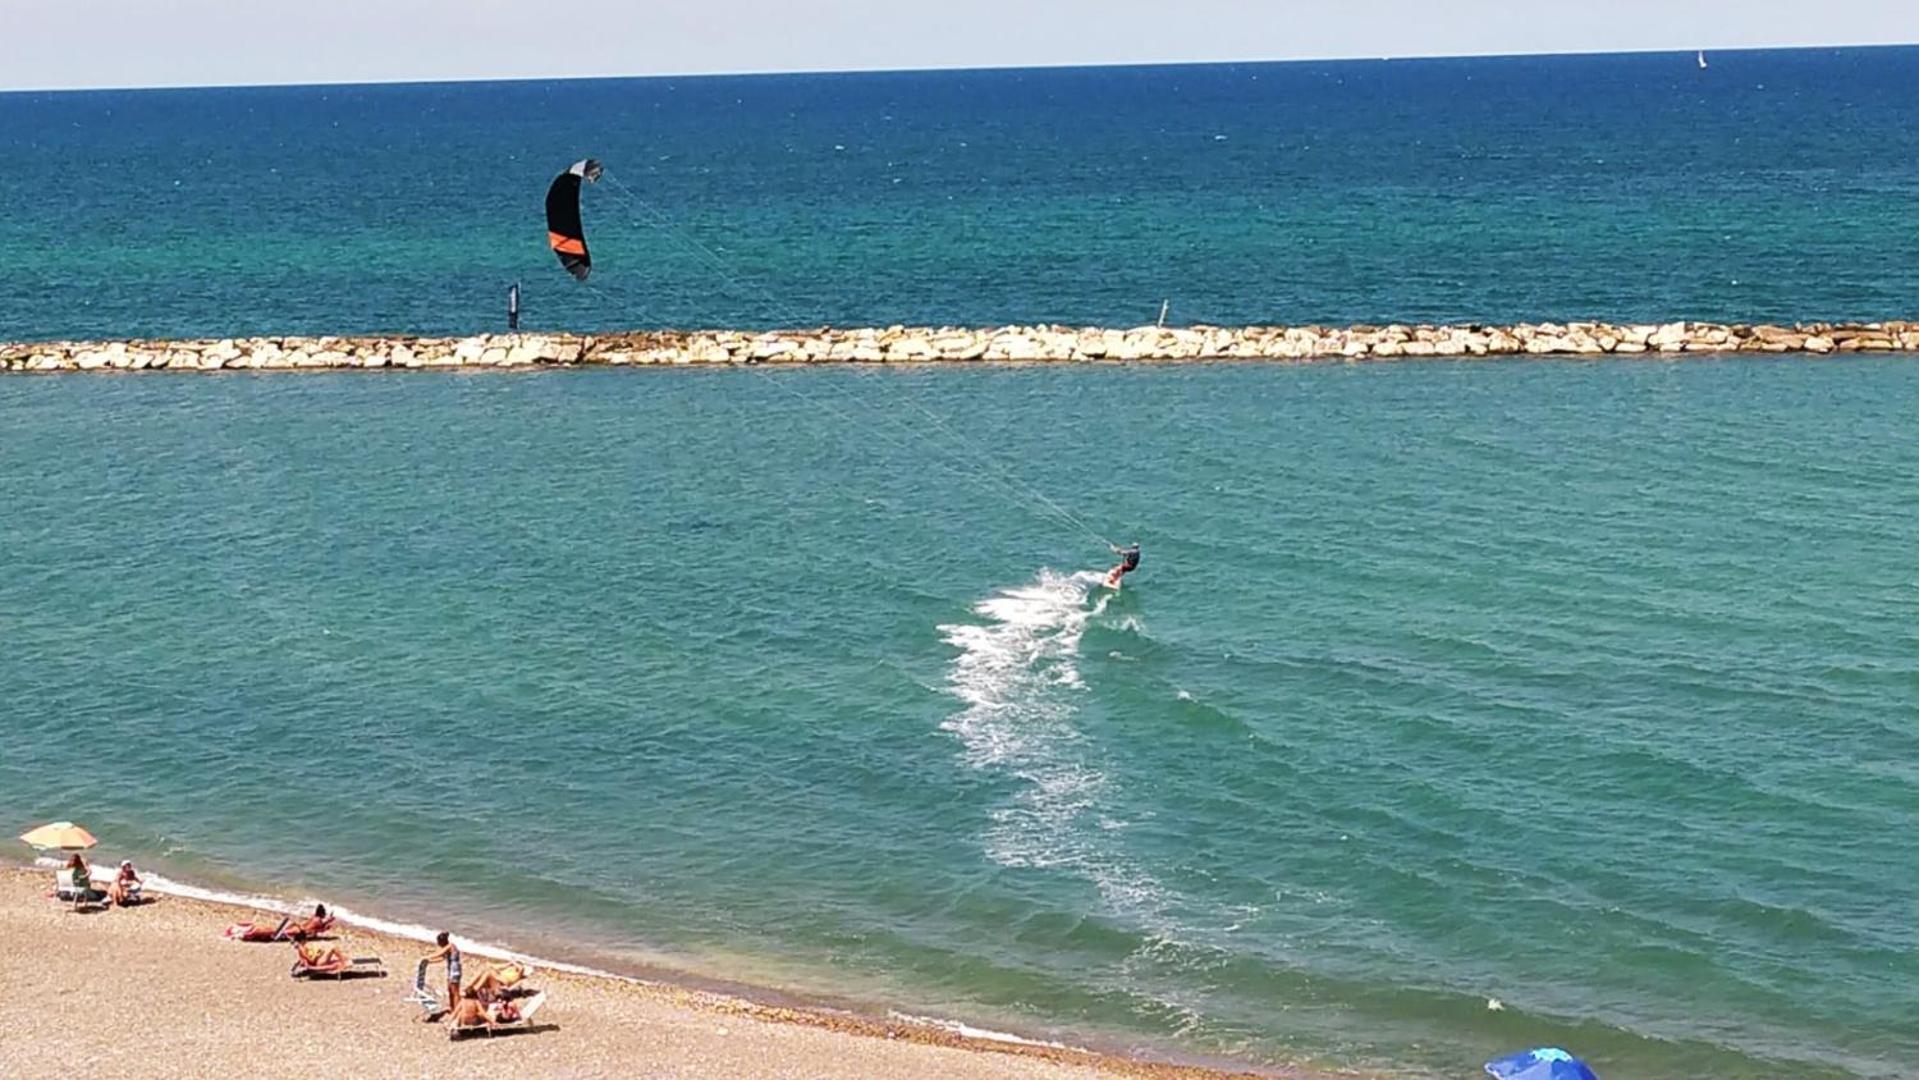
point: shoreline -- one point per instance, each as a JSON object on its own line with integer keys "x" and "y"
{"x": 919, "y": 345}
{"x": 186, "y": 935}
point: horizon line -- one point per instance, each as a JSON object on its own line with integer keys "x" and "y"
{"x": 956, "y": 68}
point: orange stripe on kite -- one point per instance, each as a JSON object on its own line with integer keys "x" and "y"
{"x": 566, "y": 245}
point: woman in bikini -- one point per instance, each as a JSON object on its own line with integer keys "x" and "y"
{"x": 120, "y": 892}
{"x": 451, "y": 954}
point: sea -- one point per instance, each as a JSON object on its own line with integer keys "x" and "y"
{"x": 1456, "y": 707}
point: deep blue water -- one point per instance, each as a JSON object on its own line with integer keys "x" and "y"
{"x": 1771, "y": 185}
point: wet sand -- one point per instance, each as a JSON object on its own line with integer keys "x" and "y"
{"x": 155, "y": 991}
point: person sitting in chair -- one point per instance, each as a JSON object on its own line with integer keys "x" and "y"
{"x": 125, "y": 888}
{"x": 80, "y": 881}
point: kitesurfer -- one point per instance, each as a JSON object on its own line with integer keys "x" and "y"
{"x": 1128, "y": 562}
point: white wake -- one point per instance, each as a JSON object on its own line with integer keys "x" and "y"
{"x": 1018, "y": 674}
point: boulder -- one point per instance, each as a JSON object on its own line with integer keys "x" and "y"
{"x": 911, "y": 349}
{"x": 769, "y": 348}
{"x": 958, "y": 346}
{"x": 1866, "y": 343}
{"x": 1670, "y": 337}
{"x": 703, "y": 350}
{"x": 1012, "y": 347}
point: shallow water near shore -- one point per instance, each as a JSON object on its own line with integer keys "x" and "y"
{"x": 1591, "y": 688}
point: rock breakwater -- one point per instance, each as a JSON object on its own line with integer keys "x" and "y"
{"x": 902, "y": 344}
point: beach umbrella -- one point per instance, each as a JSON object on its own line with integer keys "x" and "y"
{"x": 64, "y": 835}
{"x": 1545, "y": 1063}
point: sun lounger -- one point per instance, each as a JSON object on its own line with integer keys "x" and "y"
{"x": 311, "y": 961}
{"x": 426, "y": 999}
{"x": 310, "y": 927}
{"x": 260, "y": 931}
{"x": 501, "y": 981}
{"x": 498, "y": 1016}
{"x": 288, "y": 928}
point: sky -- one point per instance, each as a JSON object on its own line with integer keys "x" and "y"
{"x": 60, "y": 44}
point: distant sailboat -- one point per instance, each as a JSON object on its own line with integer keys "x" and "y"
{"x": 1702, "y": 58}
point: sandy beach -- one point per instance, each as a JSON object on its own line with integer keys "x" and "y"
{"x": 155, "y": 991}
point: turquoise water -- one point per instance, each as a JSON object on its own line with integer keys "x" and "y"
{"x": 1591, "y": 688}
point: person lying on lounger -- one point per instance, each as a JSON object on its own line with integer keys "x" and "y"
{"x": 499, "y": 981}
{"x": 285, "y": 928}
{"x": 312, "y": 926}
{"x": 262, "y": 930}
{"x": 328, "y": 960}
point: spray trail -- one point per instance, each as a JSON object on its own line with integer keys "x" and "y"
{"x": 1017, "y": 673}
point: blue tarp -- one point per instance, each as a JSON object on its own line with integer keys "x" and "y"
{"x": 1545, "y": 1063}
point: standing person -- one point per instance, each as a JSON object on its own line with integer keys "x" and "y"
{"x": 1128, "y": 562}
{"x": 451, "y": 954}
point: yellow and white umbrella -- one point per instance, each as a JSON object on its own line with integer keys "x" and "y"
{"x": 63, "y": 835}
